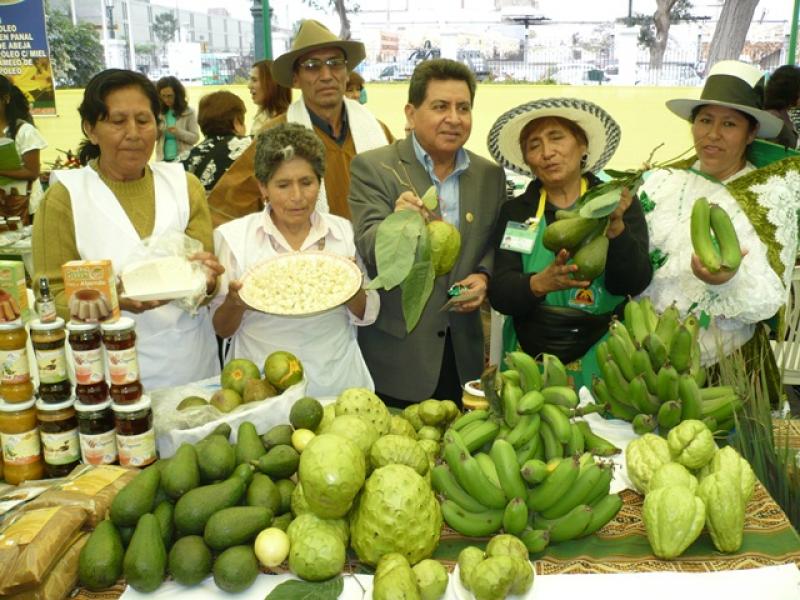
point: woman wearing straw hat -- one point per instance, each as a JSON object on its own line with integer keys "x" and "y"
{"x": 762, "y": 203}
{"x": 561, "y": 142}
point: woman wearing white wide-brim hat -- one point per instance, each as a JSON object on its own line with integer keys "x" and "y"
{"x": 561, "y": 142}
{"x": 762, "y": 203}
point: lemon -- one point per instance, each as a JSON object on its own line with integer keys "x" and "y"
{"x": 300, "y": 438}
{"x": 271, "y": 547}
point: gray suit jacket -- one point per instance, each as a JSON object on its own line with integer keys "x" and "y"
{"x": 406, "y": 366}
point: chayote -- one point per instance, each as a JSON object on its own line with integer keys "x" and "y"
{"x": 673, "y": 517}
{"x": 432, "y": 578}
{"x": 691, "y": 443}
{"x": 394, "y": 579}
{"x": 670, "y": 474}
{"x": 644, "y": 456}
{"x": 493, "y": 578}
{"x": 729, "y": 461}
{"x": 468, "y": 559}
{"x": 722, "y": 494}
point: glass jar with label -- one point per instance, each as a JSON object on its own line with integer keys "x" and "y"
{"x": 136, "y": 438}
{"x": 51, "y": 360}
{"x": 86, "y": 344}
{"x": 15, "y": 373}
{"x": 97, "y": 434}
{"x": 58, "y": 429}
{"x": 123, "y": 365}
{"x": 19, "y": 436}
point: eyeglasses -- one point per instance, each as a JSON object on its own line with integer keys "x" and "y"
{"x": 314, "y": 65}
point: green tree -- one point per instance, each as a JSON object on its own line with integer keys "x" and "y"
{"x": 654, "y": 29}
{"x": 71, "y": 68}
{"x": 341, "y": 8}
{"x": 164, "y": 27}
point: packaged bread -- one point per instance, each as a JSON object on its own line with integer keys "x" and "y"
{"x": 13, "y": 295}
{"x": 31, "y": 542}
{"x": 62, "y": 578}
{"x": 90, "y": 487}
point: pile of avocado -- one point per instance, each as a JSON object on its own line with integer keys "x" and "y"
{"x": 196, "y": 513}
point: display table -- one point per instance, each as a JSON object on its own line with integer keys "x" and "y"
{"x": 617, "y": 558}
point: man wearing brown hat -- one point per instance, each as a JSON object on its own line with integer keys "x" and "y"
{"x": 318, "y": 64}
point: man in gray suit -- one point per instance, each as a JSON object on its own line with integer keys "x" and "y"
{"x": 445, "y": 349}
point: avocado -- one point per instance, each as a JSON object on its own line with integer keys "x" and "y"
{"x": 235, "y": 526}
{"x": 192, "y": 401}
{"x": 182, "y": 473}
{"x": 282, "y": 521}
{"x": 568, "y": 233}
{"x": 263, "y": 492}
{"x": 222, "y": 429}
{"x": 244, "y": 472}
{"x": 236, "y": 569}
{"x": 216, "y": 458}
{"x": 164, "y": 512}
{"x": 591, "y": 259}
{"x": 145, "y": 562}
{"x": 195, "y": 507}
{"x": 189, "y": 561}
{"x": 280, "y": 462}
{"x": 100, "y": 560}
{"x": 286, "y": 488}
{"x": 280, "y": 435}
{"x": 136, "y": 498}
{"x": 248, "y": 444}
{"x": 125, "y": 535}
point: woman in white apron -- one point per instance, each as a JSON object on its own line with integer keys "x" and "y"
{"x": 106, "y": 209}
{"x": 289, "y": 165}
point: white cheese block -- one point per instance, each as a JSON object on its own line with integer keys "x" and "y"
{"x": 158, "y": 279}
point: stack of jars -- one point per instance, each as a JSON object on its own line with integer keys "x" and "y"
{"x": 99, "y": 424}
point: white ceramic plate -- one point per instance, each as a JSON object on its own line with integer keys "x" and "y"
{"x": 300, "y": 283}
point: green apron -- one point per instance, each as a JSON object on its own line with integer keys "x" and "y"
{"x": 594, "y": 300}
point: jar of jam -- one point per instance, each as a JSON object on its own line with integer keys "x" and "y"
{"x": 86, "y": 343}
{"x": 15, "y": 374}
{"x": 51, "y": 360}
{"x": 19, "y": 436}
{"x": 58, "y": 428}
{"x": 136, "y": 438}
{"x": 123, "y": 365}
{"x": 97, "y": 433}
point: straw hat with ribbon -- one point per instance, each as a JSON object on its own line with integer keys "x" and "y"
{"x": 735, "y": 85}
{"x": 311, "y": 36}
{"x": 602, "y": 131}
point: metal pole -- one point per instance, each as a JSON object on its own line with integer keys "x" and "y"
{"x": 267, "y": 22}
{"x": 791, "y": 58}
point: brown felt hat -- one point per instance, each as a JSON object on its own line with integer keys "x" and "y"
{"x": 313, "y": 35}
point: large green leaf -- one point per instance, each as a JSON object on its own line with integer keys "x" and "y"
{"x": 603, "y": 205}
{"x": 416, "y": 291}
{"x": 396, "y": 245}
{"x": 308, "y": 590}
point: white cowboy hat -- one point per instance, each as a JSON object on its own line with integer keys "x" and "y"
{"x": 311, "y": 36}
{"x": 602, "y": 131}
{"x": 736, "y": 85}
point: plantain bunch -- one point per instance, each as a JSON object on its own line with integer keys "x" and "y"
{"x": 525, "y": 465}
{"x": 651, "y": 373}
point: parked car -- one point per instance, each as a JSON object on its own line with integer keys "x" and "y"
{"x": 579, "y": 74}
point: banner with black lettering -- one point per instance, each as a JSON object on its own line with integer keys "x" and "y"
{"x": 24, "y": 53}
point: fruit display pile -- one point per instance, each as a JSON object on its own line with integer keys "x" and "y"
{"x": 522, "y": 465}
{"x": 690, "y": 484}
{"x": 651, "y": 373}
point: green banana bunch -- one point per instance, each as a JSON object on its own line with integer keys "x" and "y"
{"x": 530, "y": 378}
{"x": 568, "y": 527}
{"x": 700, "y": 229}
{"x": 469, "y": 523}
{"x": 555, "y": 374}
{"x": 594, "y": 443}
{"x": 546, "y": 494}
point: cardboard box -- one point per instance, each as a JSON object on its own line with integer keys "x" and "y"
{"x": 91, "y": 291}
{"x": 13, "y": 295}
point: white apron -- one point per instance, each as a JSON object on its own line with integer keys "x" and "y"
{"x": 326, "y": 344}
{"x": 174, "y": 347}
